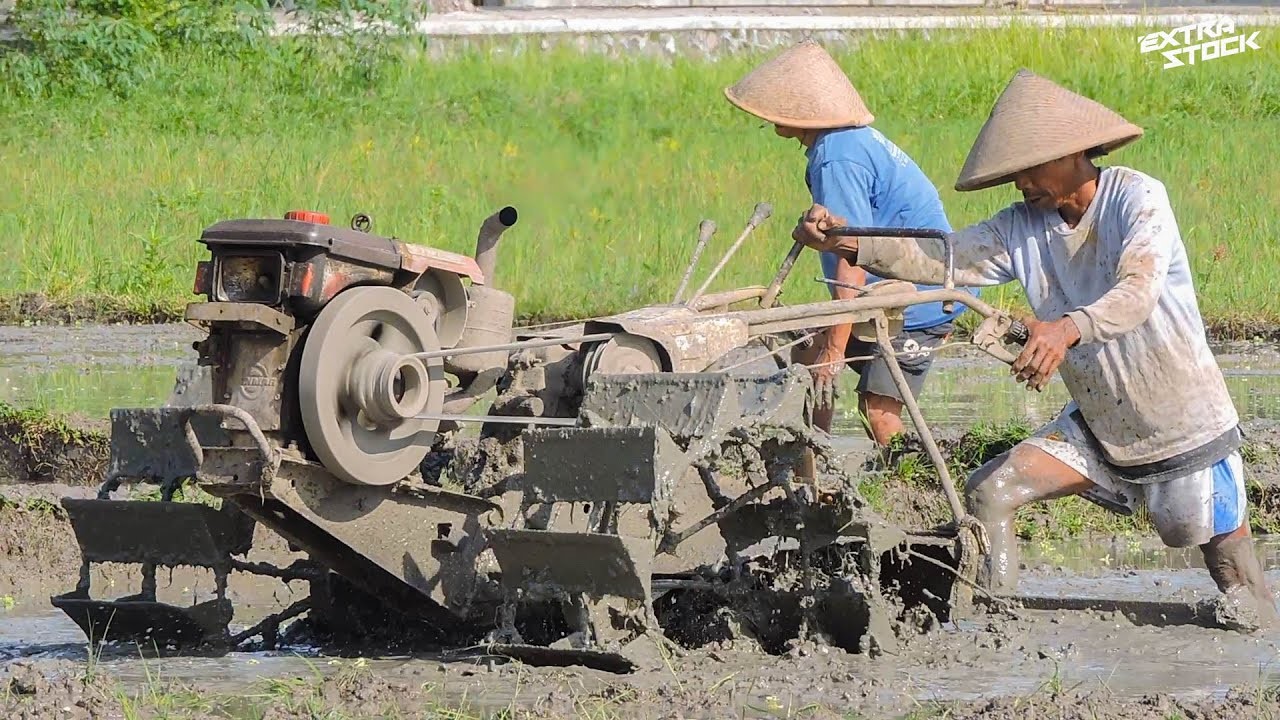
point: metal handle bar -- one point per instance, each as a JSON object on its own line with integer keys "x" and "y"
{"x": 948, "y": 281}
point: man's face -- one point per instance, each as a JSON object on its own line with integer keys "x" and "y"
{"x": 1047, "y": 185}
{"x": 800, "y": 136}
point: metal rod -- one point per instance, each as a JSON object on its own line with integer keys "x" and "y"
{"x": 842, "y": 284}
{"x": 520, "y": 345}
{"x": 762, "y": 213}
{"x": 775, "y": 287}
{"x": 672, "y": 539}
{"x": 908, "y": 399}
{"x": 511, "y": 419}
{"x": 727, "y": 297}
{"x": 706, "y": 229}
{"x": 948, "y": 248}
{"x": 833, "y": 312}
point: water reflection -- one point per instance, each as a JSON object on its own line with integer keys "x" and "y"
{"x": 962, "y": 392}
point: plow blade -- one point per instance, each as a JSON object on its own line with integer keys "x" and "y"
{"x": 153, "y": 534}
{"x": 146, "y": 622}
{"x": 413, "y": 548}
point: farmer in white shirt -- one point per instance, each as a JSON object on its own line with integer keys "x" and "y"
{"x": 1100, "y": 257}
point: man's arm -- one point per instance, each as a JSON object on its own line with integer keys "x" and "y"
{"x": 845, "y": 186}
{"x": 1140, "y": 272}
{"x": 981, "y": 257}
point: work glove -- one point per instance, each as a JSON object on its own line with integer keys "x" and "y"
{"x": 810, "y": 229}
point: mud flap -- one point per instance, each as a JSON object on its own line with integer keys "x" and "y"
{"x": 165, "y": 533}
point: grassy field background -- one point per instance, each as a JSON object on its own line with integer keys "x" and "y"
{"x": 611, "y": 163}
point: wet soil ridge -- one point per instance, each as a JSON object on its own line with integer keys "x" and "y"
{"x": 36, "y": 447}
{"x": 901, "y": 484}
{"x": 43, "y": 689}
{"x": 42, "y": 309}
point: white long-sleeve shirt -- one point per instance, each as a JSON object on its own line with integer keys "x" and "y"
{"x": 1143, "y": 376}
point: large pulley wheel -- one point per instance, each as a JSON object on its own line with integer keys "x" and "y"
{"x": 360, "y": 388}
{"x": 622, "y": 354}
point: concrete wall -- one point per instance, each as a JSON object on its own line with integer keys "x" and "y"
{"x": 832, "y": 4}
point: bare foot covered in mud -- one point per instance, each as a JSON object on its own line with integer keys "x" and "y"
{"x": 1238, "y": 609}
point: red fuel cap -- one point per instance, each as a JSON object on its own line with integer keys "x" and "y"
{"x": 307, "y": 216}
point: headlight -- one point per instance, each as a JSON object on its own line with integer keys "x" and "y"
{"x": 250, "y": 277}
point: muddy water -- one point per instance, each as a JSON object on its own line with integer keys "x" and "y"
{"x": 979, "y": 657}
{"x": 962, "y": 390}
{"x": 91, "y": 369}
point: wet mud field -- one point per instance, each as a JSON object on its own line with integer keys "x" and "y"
{"x": 999, "y": 663}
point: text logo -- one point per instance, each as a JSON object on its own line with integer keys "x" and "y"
{"x": 1199, "y": 42}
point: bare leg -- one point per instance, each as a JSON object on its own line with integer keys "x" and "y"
{"x": 884, "y": 416}
{"x": 994, "y": 492}
{"x": 1235, "y": 568}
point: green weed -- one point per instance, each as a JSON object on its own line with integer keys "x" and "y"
{"x": 612, "y": 163}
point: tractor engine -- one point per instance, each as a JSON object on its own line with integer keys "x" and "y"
{"x": 347, "y": 311}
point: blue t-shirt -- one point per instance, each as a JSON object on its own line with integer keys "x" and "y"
{"x": 858, "y": 174}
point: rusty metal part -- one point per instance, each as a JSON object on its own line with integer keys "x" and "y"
{"x": 784, "y": 270}
{"x": 245, "y": 316}
{"x": 622, "y": 354}
{"x": 489, "y": 323}
{"x": 418, "y": 259}
{"x": 762, "y": 213}
{"x": 689, "y": 340}
{"x": 948, "y": 248}
{"x": 361, "y": 223}
{"x": 962, "y": 518}
{"x": 364, "y": 385}
{"x": 487, "y": 241}
{"x": 706, "y": 229}
{"x": 443, "y": 297}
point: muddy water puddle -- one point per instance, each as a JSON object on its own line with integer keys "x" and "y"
{"x": 90, "y": 369}
{"x": 978, "y": 657}
{"x": 961, "y": 391}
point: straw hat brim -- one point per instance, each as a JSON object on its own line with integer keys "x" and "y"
{"x": 1035, "y": 121}
{"x": 802, "y": 87}
{"x": 1124, "y": 135}
{"x": 852, "y": 119}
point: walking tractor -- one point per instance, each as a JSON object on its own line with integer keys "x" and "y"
{"x": 660, "y": 484}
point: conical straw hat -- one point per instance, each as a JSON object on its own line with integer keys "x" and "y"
{"x": 802, "y": 88}
{"x": 1035, "y": 121}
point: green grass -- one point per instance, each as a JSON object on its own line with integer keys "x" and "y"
{"x": 612, "y": 163}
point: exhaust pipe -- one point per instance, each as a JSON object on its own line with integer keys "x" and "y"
{"x": 492, "y": 312}
{"x": 487, "y": 242}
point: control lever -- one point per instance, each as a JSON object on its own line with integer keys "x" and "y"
{"x": 948, "y": 281}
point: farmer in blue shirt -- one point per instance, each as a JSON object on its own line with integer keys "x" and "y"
{"x": 858, "y": 174}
